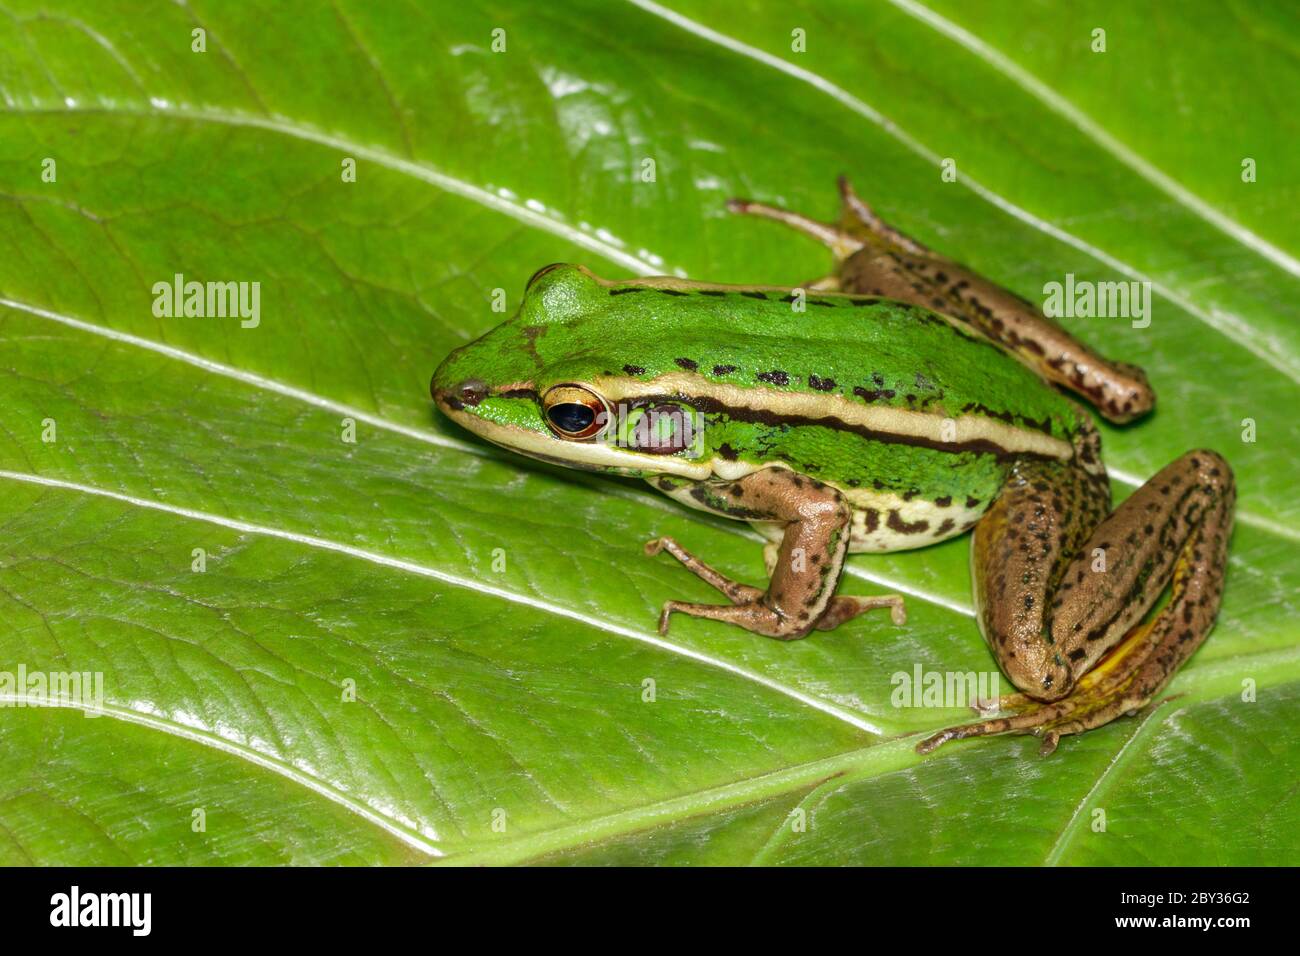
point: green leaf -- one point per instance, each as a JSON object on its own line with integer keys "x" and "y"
{"x": 412, "y": 646}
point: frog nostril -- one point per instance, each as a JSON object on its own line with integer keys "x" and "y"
{"x": 470, "y": 392}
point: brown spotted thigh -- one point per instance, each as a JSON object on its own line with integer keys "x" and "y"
{"x": 1102, "y": 661}
{"x": 1174, "y": 528}
{"x": 1019, "y": 554}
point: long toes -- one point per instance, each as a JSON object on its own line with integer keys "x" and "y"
{"x": 1034, "y": 718}
{"x": 1050, "y": 721}
{"x": 845, "y": 607}
{"x": 932, "y": 743}
{"x": 984, "y": 728}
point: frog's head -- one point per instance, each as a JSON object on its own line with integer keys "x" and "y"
{"x": 551, "y": 382}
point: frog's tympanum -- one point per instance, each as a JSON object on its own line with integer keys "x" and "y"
{"x": 898, "y": 402}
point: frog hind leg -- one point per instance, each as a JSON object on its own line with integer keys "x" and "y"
{"x": 1172, "y": 532}
{"x": 809, "y": 559}
{"x": 898, "y": 267}
{"x": 858, "y": 225}
{"x": 874, "y": 258}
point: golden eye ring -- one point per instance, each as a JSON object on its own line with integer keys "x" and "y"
{"x": 574, "y": 412}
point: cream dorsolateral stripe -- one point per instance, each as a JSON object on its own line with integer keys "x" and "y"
{"x": 892, "y": 421}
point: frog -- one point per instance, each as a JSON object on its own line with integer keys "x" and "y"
{"x": 899, "y": 401}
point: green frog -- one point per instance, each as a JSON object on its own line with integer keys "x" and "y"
{"x": 898, "y": 402}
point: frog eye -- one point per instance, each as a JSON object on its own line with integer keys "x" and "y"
{"x": 574, "y": 412}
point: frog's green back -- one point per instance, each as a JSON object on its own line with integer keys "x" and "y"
{"x": 870, "y": 350}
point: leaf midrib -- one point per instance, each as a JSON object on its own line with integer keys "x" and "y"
{"x": 860, "y": 763}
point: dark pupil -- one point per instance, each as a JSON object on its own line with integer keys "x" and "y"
{"x": 571, "y": 417}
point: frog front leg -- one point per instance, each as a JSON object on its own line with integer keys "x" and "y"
{"x": 1067, "y": 628}
{"x": 809, "y": 558}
